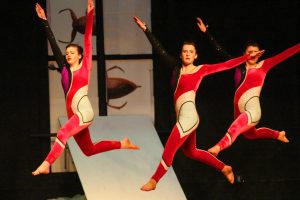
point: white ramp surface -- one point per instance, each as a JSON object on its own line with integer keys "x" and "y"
{"x": 119, "y": 174}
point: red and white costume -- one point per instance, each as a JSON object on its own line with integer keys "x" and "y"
{"x": 247, "y": 111}
{"x": 75, "y": 83}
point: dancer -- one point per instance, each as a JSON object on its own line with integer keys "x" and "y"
{"x": 183, "y": 134}
{"x": 249, "y": 80}
{"x": 75, "y": 75}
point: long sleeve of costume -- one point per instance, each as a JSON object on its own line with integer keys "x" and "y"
{"x": 217, "y": 46}
{"x": 158, "y": 48}
{"x": 273, "y": 61}
{"x": 214, "y": 68}
{"x": 59, "y": 58}
{"x": 88, "y": 40}
{"x": 224, "y": 54}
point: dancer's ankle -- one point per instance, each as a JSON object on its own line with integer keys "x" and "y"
{"x": 228, "y": 173}
{"x": 215, "y": 150}
{"x": 44, "y": 168}
{"x": 282, "y": 137}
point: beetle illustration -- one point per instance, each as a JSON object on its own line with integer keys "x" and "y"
{"x": 78, "y": 25}
{"x": 118, "y": 87}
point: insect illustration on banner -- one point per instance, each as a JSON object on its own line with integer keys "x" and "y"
{"x": 118, "y": 87}
{"x": 78, "y": 25}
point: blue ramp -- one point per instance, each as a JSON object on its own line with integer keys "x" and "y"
{"x": 119, "y": 174}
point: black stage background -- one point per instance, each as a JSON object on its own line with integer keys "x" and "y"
{"x": 267, "y": 169}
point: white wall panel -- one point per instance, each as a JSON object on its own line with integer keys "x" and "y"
{"x": 121, "y": 34}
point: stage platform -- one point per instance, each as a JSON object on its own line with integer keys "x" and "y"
{"x": 119, "y": 174}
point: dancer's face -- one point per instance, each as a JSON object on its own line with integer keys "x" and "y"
{"x": 249, "y": 50}
{"x": 188, "y": 54}
{"x": 72, "y": 56}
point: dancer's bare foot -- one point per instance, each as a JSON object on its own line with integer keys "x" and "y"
{"x": 151, "y": 185}
{"x": 215, "y": 150}
{"x": 126, "y": 144}
{"x": 282, "y": 137}
{"x": 44, "y": 168}
{"x": 227, "y": 171}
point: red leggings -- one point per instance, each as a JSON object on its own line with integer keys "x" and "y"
{"x": 82, "y": 137}
{"x": 240, "y": 126}
{"x": 188, "y": 144}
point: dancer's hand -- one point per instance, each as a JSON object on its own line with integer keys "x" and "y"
{"x": 90, "y": 5}
{"x": 257, "y": 54}
{"x": 201, "y": 25}
{"x": 141, "y": 24}
{"x": 40, "y": 11}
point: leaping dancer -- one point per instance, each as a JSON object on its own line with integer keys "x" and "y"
{"x": 75, "y": 77}
{"x": 249, "y": 80}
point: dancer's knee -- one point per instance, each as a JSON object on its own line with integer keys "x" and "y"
{"x": 62, "y": 137}
{"x": 87, "y": 152}
{"x": 188, "y": 152}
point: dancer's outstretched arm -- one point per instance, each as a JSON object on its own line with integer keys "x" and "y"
{"x": 213, "y": 68}
{"x": 214, "y": 43}
{"x": 59, "y": 58}
{"x": 273, "y": 61}
{"x": 88, "y": 35}
{"x": 157, "y": 46}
